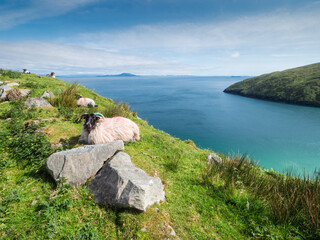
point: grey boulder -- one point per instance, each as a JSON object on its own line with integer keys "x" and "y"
{"x": 38, "y": 102}
{"x": 119, "y": 183}
{"x": 214, "y": 159}
{"x": 5, "y": 87}
{"x": 3, "y": 94}
{"x": 79, "y": 164}
{"x": 12, "y": 84}
{"x": 24, "y": 92}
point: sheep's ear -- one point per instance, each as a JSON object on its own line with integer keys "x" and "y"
{"x": 82, "y": 116}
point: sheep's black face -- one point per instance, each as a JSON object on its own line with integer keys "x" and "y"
{"x": 90, "y": 122}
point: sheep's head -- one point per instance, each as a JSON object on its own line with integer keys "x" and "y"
{"x": 78, "y": 96}
{"x": 90, "y": 120}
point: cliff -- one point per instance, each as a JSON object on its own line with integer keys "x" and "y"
{"x": 226, "y": 199}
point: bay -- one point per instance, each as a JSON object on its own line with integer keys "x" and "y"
{"x": 279, "y": 136}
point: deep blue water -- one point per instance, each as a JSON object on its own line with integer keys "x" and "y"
{"x": 278, "y": 136}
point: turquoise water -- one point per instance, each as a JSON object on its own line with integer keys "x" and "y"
{"x": 278, "y": 136}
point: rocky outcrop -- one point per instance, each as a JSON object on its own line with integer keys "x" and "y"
{"x": 38, "y": 102}
{"x": 121, "y": 184}
{"x": 80, "y": 164}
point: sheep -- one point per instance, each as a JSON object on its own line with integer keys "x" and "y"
{"x": 52, "y": 75}
{"x": 87, "y": 102}
{"x": 98, "y": 130}
{"x": 26, "y": 71}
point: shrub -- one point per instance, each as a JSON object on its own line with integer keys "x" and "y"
{"x": 292, "y": 200}
{"x": 118, "y": 109}
{"x": 30, "y": 149}
{"x": 19, "y": 141}
{"x": 10, "y": 74}
{"x": 66, "y": 98}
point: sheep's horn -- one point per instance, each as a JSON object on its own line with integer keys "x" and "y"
{"x": 99, "y": 114}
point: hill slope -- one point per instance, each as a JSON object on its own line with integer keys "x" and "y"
{"x": 297, "y": 86}
{"x": 203, "y": 201}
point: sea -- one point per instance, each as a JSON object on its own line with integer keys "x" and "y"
{"x": 278, "y": 136}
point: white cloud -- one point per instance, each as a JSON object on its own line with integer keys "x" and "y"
{"x": 268, "y": 31}
{"x": 267, "y": 42}
{"x": 43, "y": 57}
{"x": 235, "y": 54}
{"x": 215, "y": 46}
{"x": 11, "y": 15}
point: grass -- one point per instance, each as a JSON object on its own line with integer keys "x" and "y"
{"x": 202, "y": 202}
{"x": 66, "y": 97}
{"x": 292, "y": 200}
{"x": 118, "y": 109}
{"x": 298, "y": 86}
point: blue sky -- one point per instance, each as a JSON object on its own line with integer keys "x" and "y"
{"x": 159, "y": 37}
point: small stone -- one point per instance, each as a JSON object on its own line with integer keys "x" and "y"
{"x": 47, "y": 94}
{"x": 157, "y": 209}
{"x": 144, "y": 229}
{"x": 55, "y": 146}
{"x": 214, "y": 159}
{"x": 172, "y": 233}
{"x": 41, "y": 130}
{"x": 8, "y": 119}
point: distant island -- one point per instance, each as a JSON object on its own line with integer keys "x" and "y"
{"x": 119, "y": 75}
{"x": 296, "y": 86}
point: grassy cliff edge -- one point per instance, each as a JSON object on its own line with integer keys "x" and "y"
{"x": 232, "y": 200}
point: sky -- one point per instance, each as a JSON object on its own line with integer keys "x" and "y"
{"x": 159, "y": 37}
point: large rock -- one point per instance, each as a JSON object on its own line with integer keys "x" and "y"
{"x": 79, "y": 164}
{"x": 14, "y": 94}
{"x": 12, "y": 84}
{"x": 3, "y": 94}
{"x": 24, "y": 92}
{"x": 38, "y": 102}
{"x": 121, "y": 184}
{"x": 5, "y": 87}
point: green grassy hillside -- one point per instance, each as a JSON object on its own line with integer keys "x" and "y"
{"x": 297, "y": 86}
{"x": 232, "y": 200}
